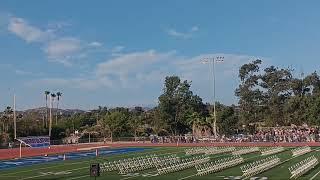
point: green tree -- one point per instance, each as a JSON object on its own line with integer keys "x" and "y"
{"x": 250, "y": 96}
{"x": 114, "y": 122}
{"x": 227, "y": 120}
{"x": 277, "y": 90}
{"x": 136, "y": 121}
{"x": 158, "y": 125}
{"x": 177, "y": 103}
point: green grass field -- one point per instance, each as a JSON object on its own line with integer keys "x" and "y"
{"x": 79, "y": 169}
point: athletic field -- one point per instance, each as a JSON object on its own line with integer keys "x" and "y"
{"x": 77, "y": 167}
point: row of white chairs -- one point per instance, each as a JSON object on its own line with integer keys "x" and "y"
{"x": 272, "y": 150}
{"x": 219, "y": 150}
{"x": 303, "y": 167}
{"x": 129, "y": 164}
{"x": 182, "y": 164}
{"x": 246, "y": 150}
{"x": 195, "y": 150}
{"x": 163, "y": 161}
{"x": 259, "y": 166}
{"x": 300, "y": 151}
{"x": 209, "y": 150}
{"x": 218, "y": 165}
{"x": 137, "y": 164}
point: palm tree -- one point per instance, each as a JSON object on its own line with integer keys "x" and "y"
{"x": 50, "y": 123}
{"x": 6, "y": 118}
{"x": 59, "y": 94}
{"x": 195, "y": 121}
{"x": 46, "y": 93}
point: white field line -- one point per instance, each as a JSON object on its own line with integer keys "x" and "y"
{"x": 314, "y": 176}
{"x": 50, "y": 174}
{"x": 78, "y": 177}
{"x": 130, "y": 177}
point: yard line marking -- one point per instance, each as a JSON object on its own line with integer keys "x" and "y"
{"x": 130, "y": 177}
{"x": 314, "y": 176}
{"x": 78, "y": 177}
{"x": 31, "y": 177}
{"x": 34, "y": 176}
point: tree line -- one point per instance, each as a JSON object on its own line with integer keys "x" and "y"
{"x": 270, "y": 96}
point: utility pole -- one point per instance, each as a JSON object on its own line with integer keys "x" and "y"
{"x": 214, "y": 60}
{"x": 14, "y": 117}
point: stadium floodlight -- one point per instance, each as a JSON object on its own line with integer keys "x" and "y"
{"x": 214, "y": 60}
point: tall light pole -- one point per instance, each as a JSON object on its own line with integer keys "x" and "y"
{"x": 14, "y": 117}
{"x": 214, "y": 60}
{"x": 50, "y": 115}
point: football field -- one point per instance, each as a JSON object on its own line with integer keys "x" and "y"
{"x": 78, "y": 168}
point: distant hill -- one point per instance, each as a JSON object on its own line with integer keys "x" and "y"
{"x": 42, "y": 110}
{"x": 66, "y": 112}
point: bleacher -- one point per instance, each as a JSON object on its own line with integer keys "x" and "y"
{"x": 35, "y": 141}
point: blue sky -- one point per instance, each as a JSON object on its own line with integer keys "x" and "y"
{"x": 117, "y": 53}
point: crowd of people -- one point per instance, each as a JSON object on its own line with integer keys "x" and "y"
{"x": 291, "y": 134}
{"x": 273, "y": 134}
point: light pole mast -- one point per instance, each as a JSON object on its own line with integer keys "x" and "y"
{"x": 50, "y": 115}
{"x": 14, "y": 117}
{"x": 214, "y": 60}
{"x": 214, "y": 98}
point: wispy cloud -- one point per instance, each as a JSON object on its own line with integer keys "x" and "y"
{"x": 57, "y": 48}
{"x": 182, "y": 35}
{"x": 22, "y": 72}
{"x": 27, "y": 32}
{"x": 63, "y": 50}
{"x": 95, "y": 44}
{"x": 148, "y": 68}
